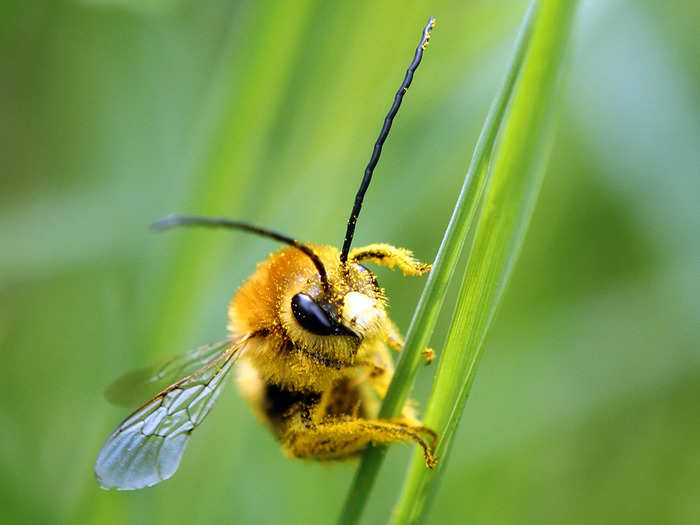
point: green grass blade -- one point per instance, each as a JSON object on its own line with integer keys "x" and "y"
{"x": 517, "y": 164}
{"x": 460, "y": 231}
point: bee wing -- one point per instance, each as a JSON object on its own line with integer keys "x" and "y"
{"x": 137, "y": 385}
{"x": 147, "y": 446}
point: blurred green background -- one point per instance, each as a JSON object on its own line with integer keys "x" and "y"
{"x": 586, "y": 408}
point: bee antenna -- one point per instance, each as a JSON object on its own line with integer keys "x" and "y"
{"x": 425, "y": 38}
{"x": 172, "y": 221}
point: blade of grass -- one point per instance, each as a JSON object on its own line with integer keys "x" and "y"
{"x": 517, "y": 166}
{"x": 460, "y": 232}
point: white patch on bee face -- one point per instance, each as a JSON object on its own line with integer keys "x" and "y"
{"x": 362, "y": 314}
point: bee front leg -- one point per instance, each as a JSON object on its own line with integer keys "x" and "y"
{"x": 343, "y": 438}
{"x": 390, "y": 256}
{"x": 393, "y": 338}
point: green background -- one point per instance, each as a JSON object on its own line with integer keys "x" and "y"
{"x": 586, "y": 407}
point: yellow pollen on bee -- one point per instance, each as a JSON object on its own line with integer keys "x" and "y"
{"x": 361, "y": 312}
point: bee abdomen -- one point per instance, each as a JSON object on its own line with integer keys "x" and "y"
{"x": 279, "y": 403}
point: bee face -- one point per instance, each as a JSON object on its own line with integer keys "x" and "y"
{"x": 365, "y": 315}
{"x": 343, "y": 314}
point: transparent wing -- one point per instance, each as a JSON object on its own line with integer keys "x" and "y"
{"x": 135, "y": 386}
{"x": 147, "y": 446}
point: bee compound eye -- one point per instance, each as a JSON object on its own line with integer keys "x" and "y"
{"x": 310, "y": 315}
{"x": 365, "y": 271}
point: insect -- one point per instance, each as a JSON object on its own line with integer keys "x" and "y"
{"x": 309, "y": 337}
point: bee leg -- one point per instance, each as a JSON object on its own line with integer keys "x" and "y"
{"x": 416, "y": 426}
{"x": 390, "y": 256}
{"x": 343, "y": 438}
{"x": 393, "y": 338}
{"x": 379, "y": 376}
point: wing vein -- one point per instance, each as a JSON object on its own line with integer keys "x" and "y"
{"x": 147, "y": 446}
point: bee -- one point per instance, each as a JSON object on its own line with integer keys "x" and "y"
{"x": 309, "y": 335}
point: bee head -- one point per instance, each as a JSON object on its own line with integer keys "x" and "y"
{"x": 337, "y": 317}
